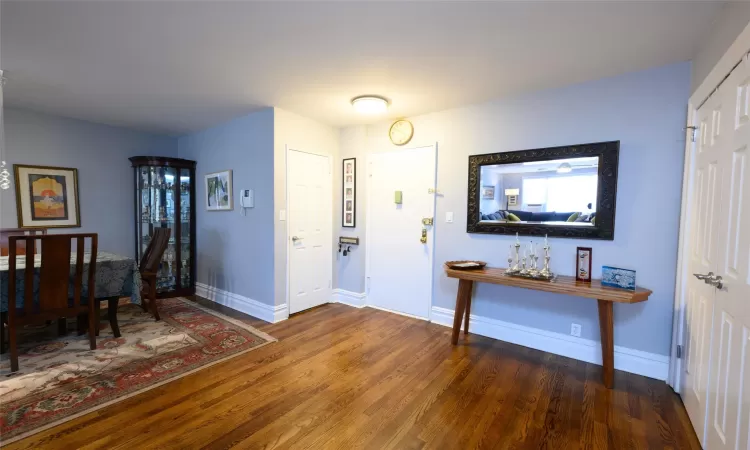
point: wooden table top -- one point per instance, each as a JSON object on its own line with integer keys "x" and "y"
{"x": 563, "y": 284}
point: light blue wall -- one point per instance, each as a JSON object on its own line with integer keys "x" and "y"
{"x": 100, "y": 153}
{"x": 646, "y": 111}
{"x": 235, "y": 252}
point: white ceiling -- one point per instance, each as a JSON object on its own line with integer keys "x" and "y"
{"x": 173, "y": 66}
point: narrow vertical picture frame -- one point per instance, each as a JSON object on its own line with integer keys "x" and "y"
{"x": 349, "y": 192}
{"x": 583, "y": 264}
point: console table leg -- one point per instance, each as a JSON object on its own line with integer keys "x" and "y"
{"x": 467, "y": 314}
{"x": 462, "y": 297}
{"x": 606, "y": 328}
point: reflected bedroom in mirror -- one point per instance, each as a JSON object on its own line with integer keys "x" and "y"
{"x": 561, "y": 191}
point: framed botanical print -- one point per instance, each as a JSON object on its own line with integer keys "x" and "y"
{"x": 349, "y": 193}
{"x": 219, "y": 191}
{"x": 47, "y": 197}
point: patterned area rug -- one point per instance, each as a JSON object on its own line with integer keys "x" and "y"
{"x": 62, "y": 379}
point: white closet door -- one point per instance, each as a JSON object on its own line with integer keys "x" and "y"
{"x": 310, "y": 230}
{"x": 703, "y": 251}
{"x": 729, "y": 392}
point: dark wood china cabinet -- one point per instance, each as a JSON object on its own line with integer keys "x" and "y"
{"x": 165, "y": 198}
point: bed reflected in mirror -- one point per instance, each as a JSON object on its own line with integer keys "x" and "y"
{"x": 551, "y": 192}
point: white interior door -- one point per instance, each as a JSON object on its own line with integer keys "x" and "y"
{"x": 703, "y": 251}
{"x": 309, "y": 203}
{"x": 399, "y": 265}
{"x": 716, "y": 384}
{"x": 729, "y": 392}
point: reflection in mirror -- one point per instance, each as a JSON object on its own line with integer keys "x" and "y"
{"x": 553, "y": 192}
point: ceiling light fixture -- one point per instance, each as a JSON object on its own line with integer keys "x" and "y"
{"x": 564, "y": 168}
{"x": 369, "y": 104}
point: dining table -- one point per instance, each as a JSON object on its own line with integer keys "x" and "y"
{"x": 117, "y": 276}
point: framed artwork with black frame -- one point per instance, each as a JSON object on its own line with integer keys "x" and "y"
{"x": 349, "y": 193}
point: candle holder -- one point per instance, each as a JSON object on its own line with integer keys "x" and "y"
{"x": 523, "y": 272}
{"x": 532, "y": 261}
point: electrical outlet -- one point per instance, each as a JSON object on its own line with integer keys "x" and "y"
{"x": 575, "y": 329}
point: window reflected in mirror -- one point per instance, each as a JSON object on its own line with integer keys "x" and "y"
{"x": 553, "y": 192}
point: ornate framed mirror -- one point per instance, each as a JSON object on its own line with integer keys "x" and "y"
{"x": 567, "y": 191}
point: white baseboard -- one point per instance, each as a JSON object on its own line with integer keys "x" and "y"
{"x": 246, "y": 305}
{"x": 355, "y": 299}
{"x": 634, "y": 361}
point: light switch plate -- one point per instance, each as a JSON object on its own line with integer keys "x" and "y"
{"x": 282, "y": 215}
{"x": 449, "y": 217}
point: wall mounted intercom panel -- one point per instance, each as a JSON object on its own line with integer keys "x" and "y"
{"x": 247, "y": 200}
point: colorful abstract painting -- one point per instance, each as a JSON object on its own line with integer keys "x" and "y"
{"x": 47, "y": 196}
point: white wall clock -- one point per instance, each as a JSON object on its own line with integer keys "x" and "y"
{"x": 401, "y": 132}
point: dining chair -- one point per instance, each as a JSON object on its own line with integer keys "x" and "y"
{"x": 149, "y": 267}
{"x": 54, "y": 300}
{"x": 5, "y": 233}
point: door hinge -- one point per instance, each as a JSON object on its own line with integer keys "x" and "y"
{"x": 679, "y": 352}
{"x": 692, "y": 132}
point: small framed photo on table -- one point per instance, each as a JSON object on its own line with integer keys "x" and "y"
{"x": 349, "y": 193}
{"x": 618, "y": 278}
{"x": 583, "y": 264}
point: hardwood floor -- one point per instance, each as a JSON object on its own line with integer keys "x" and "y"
{"x": 341, "y": 377}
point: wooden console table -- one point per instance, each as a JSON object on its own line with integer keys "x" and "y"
{"x": 605, "y": 296}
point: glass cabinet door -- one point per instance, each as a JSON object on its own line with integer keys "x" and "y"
{"x": 185, "y": 225}
{"x": 157, "y": 210}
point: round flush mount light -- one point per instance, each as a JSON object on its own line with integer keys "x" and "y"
{"x": 564, "y": 168}
{"x": 369, "y": 104}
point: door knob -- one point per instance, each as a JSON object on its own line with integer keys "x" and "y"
{"x": 295, "y": 238}
{"x": 711, "y": 278}
{"x": 715, "y": 281}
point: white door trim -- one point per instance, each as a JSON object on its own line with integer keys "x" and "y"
{"x": 368, "y": 215}
{"x": 288, "y": 149}
{"x": 736, "y": 52}
{"x": 683, "y": 263}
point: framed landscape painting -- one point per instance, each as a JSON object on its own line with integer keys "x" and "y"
{"x": 219, "y": 191}
{"x": 47, "y": 197}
